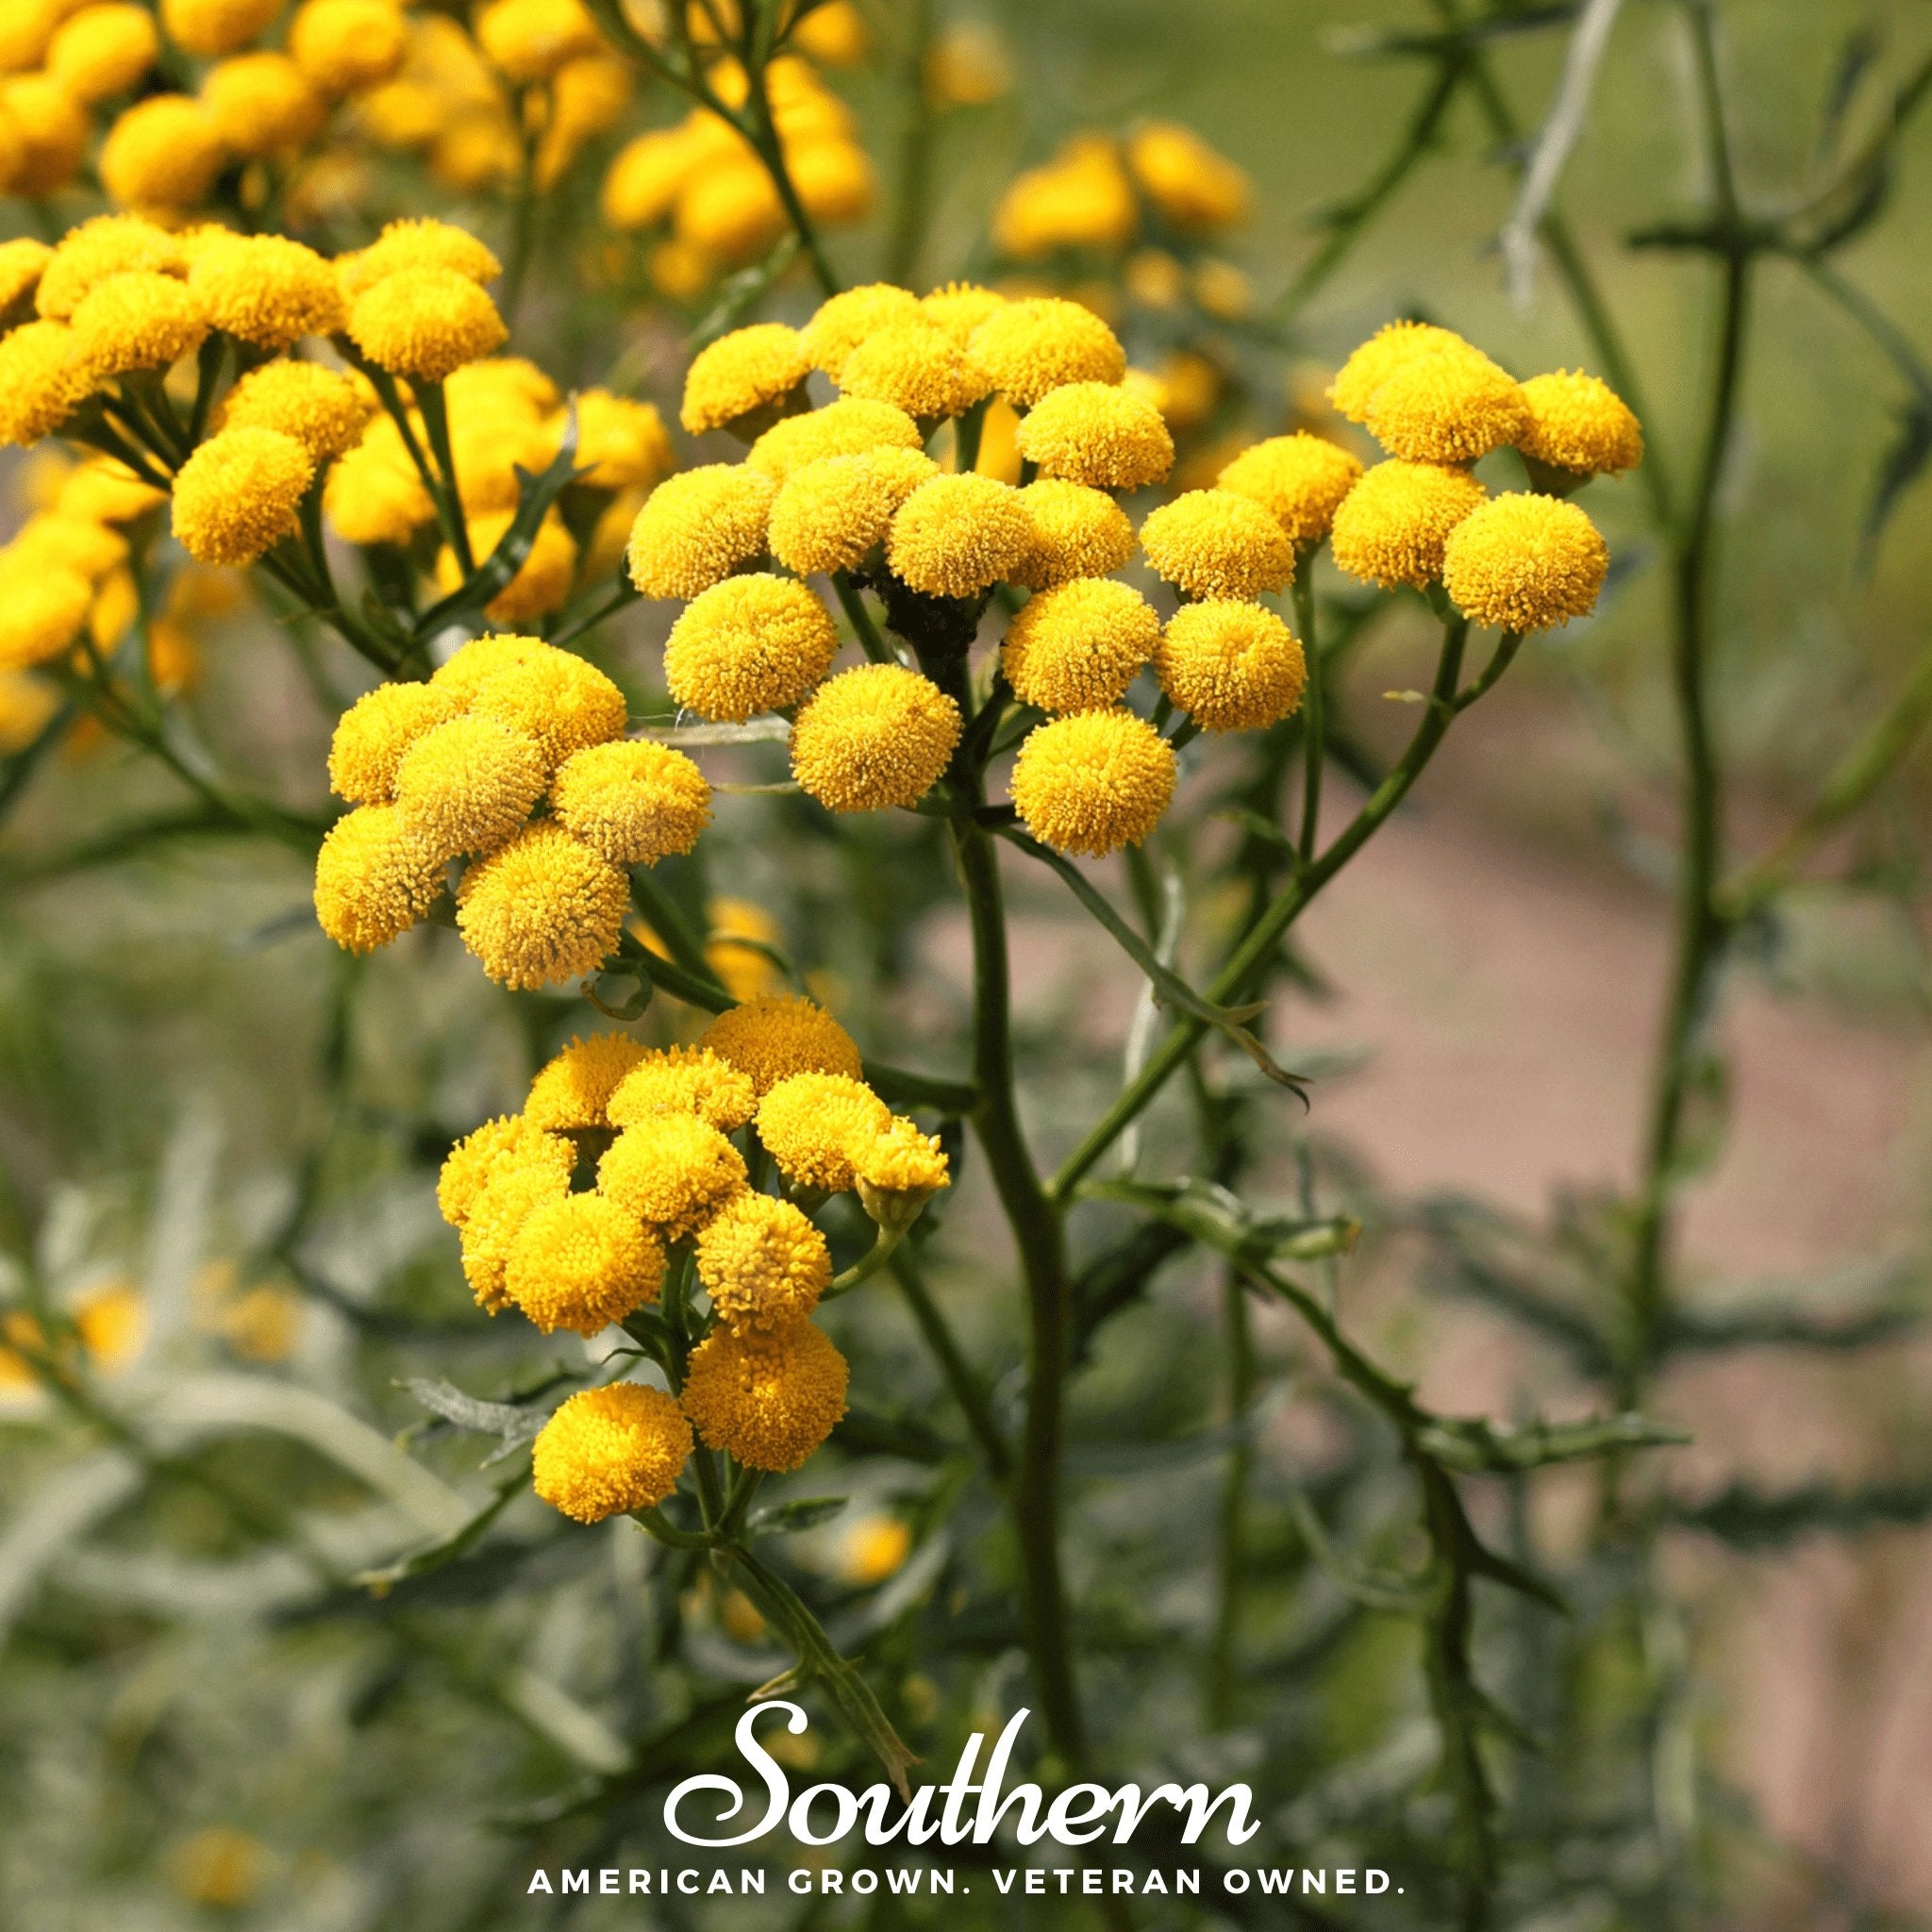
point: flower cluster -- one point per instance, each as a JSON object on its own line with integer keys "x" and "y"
{"x": 511, "y": 758}
{"x": 703, "y": 195}
{"x": 848, "y": 490}
{"x": 663, "y": 1141}
{"x": 1521, "y": 561}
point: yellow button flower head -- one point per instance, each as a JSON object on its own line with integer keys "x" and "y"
{"x": 1391, "y": 347}
{"x": 832, "y": 514}
{"x": 487, "y": 445}
{"x": 1036, "y": 345}
{"x": 642, "y": 184}
{"x": 1391, "y": 527}
{"x": 1524, "y": 563}
{"x": 514, "y": 1192}
{"x": 1078, "y": 532}
{"x": 1300, "y": 481}
{"x": 374, "y": 493}
{"x": 28, "y": 705}
{"x": 24, "y": 32}
{"x": 1450, "y": 405}
{"x": 768, "y": 1399}
{"x": 740, "y": 945}
{"x": 850, "y": 426}
{"x": 748, "y": 372}
{"x": 217, "y": 26}
{"x": 374, "y": 879}
{"x": 262, "y": 105}
{"x": 875, "y": 736}
{"x": 346, "y": 46}
{"x": 898, "y": 1172}
{"x": 266, "y": 289}
{"x": 43, "y": 380}
{"x": 163, "y": 153}
{"x": 467, "y": 785}
{"x": 324, "y": 412}
{"x": 106, "y": 245}
{"x": 239, "y": 494}
{"x": 814, "y": 1125}
{"x": 917, "y": 367}
{"x": 138, "y": 321}
{"x": 960, "y": 307}
{"x": 730, "y": 211}
{"x": 543, "y": 909}
{"x": 1580, "y": 423}
{"x": 582, "y": 1263}
{"x": 103, "y": 51}
{"x": 1094, "y": 782}
{"x": 845, "y": 321}
{"x": 574, "y": 1089}
{"x": 1185, "y": 178}
{"x": 956, "y": 536}
{"x": 671, "y": 1169}
{"x": 775, "y": 1036}
{"x": 685, "y": 1080}
{"x": 41, "y": 612}
{"x": 1230, "y": 666}
{"x": 750, "y": 644}
{"x": 50, "y": 130}
{"x": 530, "y": 40}
{"x": 549, "y": 695}
{"x": 609, "y": 1451}
{"x": 414, "y": 244}
{"x": 635, "y": 802}
{"x": 542, "y": 580}
{"x": 1077, "y": 646}
{"x": 23, "y": 262}
{"x": 474, "y": 667}
{"x": 103, "y": 491}
{"x": 496, "y": 1147}
{"x": 498, "y": 385}
{"x": 54, "y": 540}
{"x": 425, "y": 321}
{"x": 1082, "y": 198}
{"x": 589, "y": 96}
{"x": 1213, "y": 543}
{"x": 696, "y": 527}
{"x": 622, "y": 443}
{"x": 1097, "y": 433}
{"x": 763, "y": 1263}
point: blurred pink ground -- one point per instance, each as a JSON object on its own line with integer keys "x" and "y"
{"x": 1507, "y": 973}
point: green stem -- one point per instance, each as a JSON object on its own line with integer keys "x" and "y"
{"x": 914, "y": 186}
{"x": 1043, "y": 1263}
{"x": 1281, "y": 912}
{"x": 1701, "y": 929}
{"x": 852, "y": 600}
{"x": 1314, "y": 725}
{"x": 1243, "y": 1376}
{"x": 952, "y": 1364}
{"x": 435, "y": 412}
{"x": 868, "y": 1264}
{"x": 666, "y": 919}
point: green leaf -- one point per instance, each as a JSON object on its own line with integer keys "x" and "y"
{"x": 1476, "y": 1444}
{"x": 1168, "y": 985}
{"x": 464, "y": 606}
{"x": 738, "y": 295}
{"x": 1221, "y": 1221}
{"x": 1749, "y": 1518}
{"x": 803, "y": 1512}
{"x": 418, "y": 1562}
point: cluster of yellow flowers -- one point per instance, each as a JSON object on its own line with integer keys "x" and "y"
{"x": 1099, "y": 194}
{"x": 670, "y": 1195}
{"x": 703, "y": 191}
{"x": 63, "y": 574}
{"x": 457, "y": 768}
{"x": 1521, "y": 561}
{"x": 848, "y": 488}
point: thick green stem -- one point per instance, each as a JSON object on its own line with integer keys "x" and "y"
{"x": 1701, "y": 929}
{"x": 1282, "y": 911}
{"x": 1243, "y": 1375}
{"x": 1314, "y": 733}
{"x": 1042, "y": 1265}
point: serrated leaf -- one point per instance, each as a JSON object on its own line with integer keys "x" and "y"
{"x": 419, "y": 1562}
